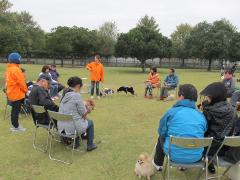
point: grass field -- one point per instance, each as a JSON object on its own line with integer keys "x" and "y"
{"x": 126, "y": 125}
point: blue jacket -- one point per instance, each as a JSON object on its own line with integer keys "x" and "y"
{"x": 183, "y": 120}
{"x": 171, "y": 80}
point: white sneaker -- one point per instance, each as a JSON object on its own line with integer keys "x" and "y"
{"x": 158, "y": 168}
{"x": 98, "y": 97}
{"x": 19, "y": 129}
{"x": 92, "y": 97}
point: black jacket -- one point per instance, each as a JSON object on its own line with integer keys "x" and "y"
{"x": 40, "y": 96}
{"x": 221, "y": 118}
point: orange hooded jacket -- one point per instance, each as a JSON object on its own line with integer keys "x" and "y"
{"x": 15, "y": 82}
{"x": 96, "y": 71}
{"x": 154, "y": 79}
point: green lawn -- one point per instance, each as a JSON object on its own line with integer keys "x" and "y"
{"x": 126, "y": 125}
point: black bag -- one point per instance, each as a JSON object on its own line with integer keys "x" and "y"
{"x": 232, "y": 155}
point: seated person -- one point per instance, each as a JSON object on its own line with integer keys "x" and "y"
{"x": 55, "y": 76}
{"x": 39, "y": 96}
{"x": 229, "y": 83}
{"x": 53, "y": 84}
{"x": 182, "y": 120}
{"x": 153, "y": 81}
{"x": 170, "y": 82}
{"x": 72, "y": 103}
{"x": 235, "y": 100}
{"x": 220, "y": 116}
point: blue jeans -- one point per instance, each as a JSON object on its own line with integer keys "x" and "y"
{"x": 53, "y": 90}
{"x": 93, "y": 87}
{"x": 90, "y": 133}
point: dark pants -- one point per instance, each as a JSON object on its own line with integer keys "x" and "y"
{"x": 164, "y": 91}
{"x": 93, "y": 87}
{"x": 149, "y": 89}
{"x": 159, "y": 153}
{"x": 53, "y": 90}
{"x": 90, "y": 133}
{"x": 16, "y": 108}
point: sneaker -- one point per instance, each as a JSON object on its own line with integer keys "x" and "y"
{"x": 92, "y": 147}
{"x": 158, "y": 168}
{"x": 98, "y": 97}
{"x": 19, "y": 129}
{"x": 211, "y": 169}
{"x": 92, "y": 97}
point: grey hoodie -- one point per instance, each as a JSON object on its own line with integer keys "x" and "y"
{"x": 72, "y": 104}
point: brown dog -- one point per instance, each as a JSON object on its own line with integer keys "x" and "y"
{"x": 90, "y": 105}
{"x": 144, "y": 166}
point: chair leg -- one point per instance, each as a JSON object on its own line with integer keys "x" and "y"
{"x": 59, "y": 160}
{"x": 168, "y": 169}
{"x": 44, "y": 150}
{"x": 225, "y": 172}
{"x": 206, "y": 169}
{"x": 218, "y": 173}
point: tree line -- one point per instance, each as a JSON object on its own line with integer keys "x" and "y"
{"x": 219, "y": 40}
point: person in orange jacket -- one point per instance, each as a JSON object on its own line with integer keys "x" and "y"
{"x": 153, "y": 81}
{"x": 96, "y": 70}
{"x": 16, "y": 89}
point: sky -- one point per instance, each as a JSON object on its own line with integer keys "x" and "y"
{"x": 126, "y": 13}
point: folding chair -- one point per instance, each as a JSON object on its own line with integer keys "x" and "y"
{"x": 188, "y": 143}
{"x": 232, "y": 141}
{"x": 8, "y": 103}
{"x": 54, "y": 132}
{"x": 37, "y": 110}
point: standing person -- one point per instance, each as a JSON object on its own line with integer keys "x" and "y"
{"x": 223, "y": 69}
{"x": 16, "y": 89}
{"x": 182, "y": 120}
{"x": 153, "y": 81}
{"x": 170, "y": 82}
{"x": 233, "y": 68}
{"x": 229, "y": 83}
{"x": 96, "y": 75}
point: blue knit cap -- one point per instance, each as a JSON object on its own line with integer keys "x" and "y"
{"x": 14, "y": 58}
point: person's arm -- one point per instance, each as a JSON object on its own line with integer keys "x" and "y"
{"x": 52, "y": 80}
{"x": 176, "y": 81}
{"x": 162, "y": 129}
{"x": 20, "y": 80}
{"x": 46, "y": 101}
{"x": 81, "y": 108}
{"x": 89, "y": 66}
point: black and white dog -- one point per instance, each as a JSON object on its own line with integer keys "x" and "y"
{"x": 106, "y": 91}
{"x": 126, "y": 89}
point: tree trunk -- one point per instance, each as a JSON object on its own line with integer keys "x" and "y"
{"x": 183, "y": 63}
{"x": 143, "y": 66}
{"x": 209, "y": 64}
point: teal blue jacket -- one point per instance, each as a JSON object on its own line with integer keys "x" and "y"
{"x": 183, "y": 120}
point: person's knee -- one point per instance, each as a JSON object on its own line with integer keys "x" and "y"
{"x": 90, "y": 123}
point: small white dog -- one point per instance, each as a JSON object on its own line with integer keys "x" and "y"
{"x": 144, "y": 166}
